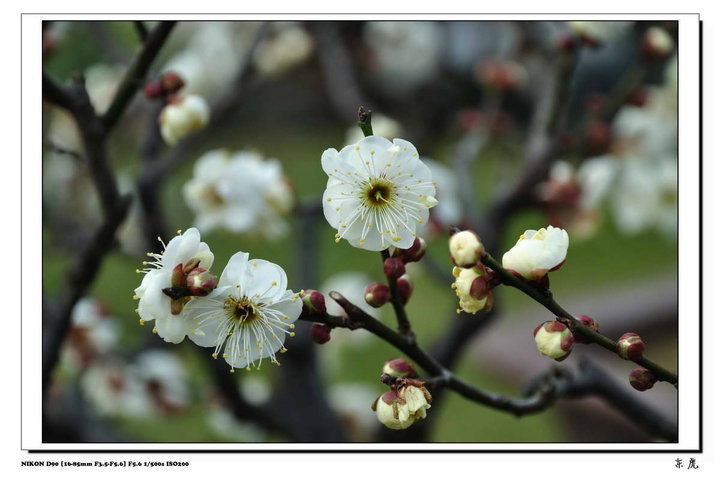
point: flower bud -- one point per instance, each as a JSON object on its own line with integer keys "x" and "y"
{"x": 466, "y": 249}
{"x": 377, "y": 294}
{"x": 641, "y": 379}
{"x": 414, "y": 253}
{"x": 598, "y": 137}
{"x": 313, "y": 302}
{"x": 537, "y": 252}
{"x": 200, "y": 282}
{"x": 400, "y": 409}
{"x": 178, "y": 276}
{"x": 171, "y": 82}
{"x": 182, "y": 117}
{"x": 399, "y": 368}
{"x": 657, "y": 42}
{"x": 554, "y": 339}
{"x": 393, "y": 267}
{"x": 630, "y": 346}
{"x": 320, "y": 333}
{"x": 405, "y": 288}
{"x": 472, "y": 288}
{"x": 638, "y": 97}
{"x": 153, "y": 90}
{"x": 501, "y": 75}
{"x": 589, "y": 322}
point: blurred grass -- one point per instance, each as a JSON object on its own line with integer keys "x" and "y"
{"x": 608, "y": 257}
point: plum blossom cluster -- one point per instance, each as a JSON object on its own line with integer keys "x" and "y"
{"x": 377, "y": 193}
{"x": 244, "y": 316}
{"x": 473, "y": 281}
{"x": 239, "y": 192}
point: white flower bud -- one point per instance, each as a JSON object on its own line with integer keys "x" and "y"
{"x": 554, "y": 339}
{"x": 466, "y": 249}
{"x": 182, "y": 117}
{"x": 466, "y": 288}
{"x": 537, "y": 252}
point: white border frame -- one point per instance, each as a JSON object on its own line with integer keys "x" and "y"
{"x": 688, "y": 242}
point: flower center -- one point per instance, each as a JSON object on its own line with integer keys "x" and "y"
{"x": 213, "y": 197}
{"x": 241, "y": 310}
{"x": 378, "y": 192}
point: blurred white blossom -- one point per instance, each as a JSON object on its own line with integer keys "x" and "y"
{"x": 286, "y": 44}
{"x": 239, "y": 192}
{"x": 407, "y": 54}
{"x": 165, "y": 379}
{"x": 183, "y": 116}
{"x": 114, "y": 390}
{"x": 351, "y": 401}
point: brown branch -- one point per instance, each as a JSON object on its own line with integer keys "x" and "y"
{"x": 94, "y": 132}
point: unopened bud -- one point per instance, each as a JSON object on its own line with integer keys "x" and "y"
{"x": 399, "y": 367}
{"x": 313, "y": 302}
{"x": 393, "y": 267}
{"x": 657, "y": 42}
{"x": 320, "y": 333}
{"x": 153, "y": 90}
{"x": 377, "y": 294}
{"x": 554, "y": 339}
{"x": 630, "y": 346}
{"x": 200, "y": 282}
{"x": 171, "y": 82}
{"x": 414, "y": 253}
{"x": 641, "y": 379}
{"x": 178, "y": 276}
{"x": 183, "y": 116}
{"x": 589, "y": 322}
{"x": 405, "y": 288}
{"x": 466, "y": 248}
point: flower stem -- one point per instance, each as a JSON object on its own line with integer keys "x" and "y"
{"x": 576, "y": 326}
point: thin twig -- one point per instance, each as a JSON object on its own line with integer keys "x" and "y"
{"x": 546, "y": 300}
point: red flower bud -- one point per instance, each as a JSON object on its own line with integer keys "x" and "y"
{"x": 313, "y": 302}
{"x": 589, "y": 322}
{"x": 178, "y": 276}
{"x": 320, "y": 333}
{"x": 479, "y": 289}
{"x": 630, "y": 346}
{"x": 641, "y": 379}
{"x": 153, "y": 90}
{"x": 405, "y": 288}
{"x": 377, "y": 294}
{"x": 171, "y": 82}
{"x": 399, "y": 368}
{"x": 414, "y": 253}
{"x": 201, "y": 282}
{"x": 393, "y": 267}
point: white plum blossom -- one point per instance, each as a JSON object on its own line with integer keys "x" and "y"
{"x": 239, "y": 192}
{"x": 165, "y": 379}
{"x": 407, "y": 54}
{"x": 93, "y": 333}
{"x": 537, "y": 252}
{"x": 248, "y": 315}
{"x": 639, "y": 177}
{"x": 185, "y": 250}
{"x": 114, "y": 391}
{"x": 377, "y": 193}
{"x": 184, "y": 115}
{"x": 213, "y": 55}
{"x": 286, "y": 45}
